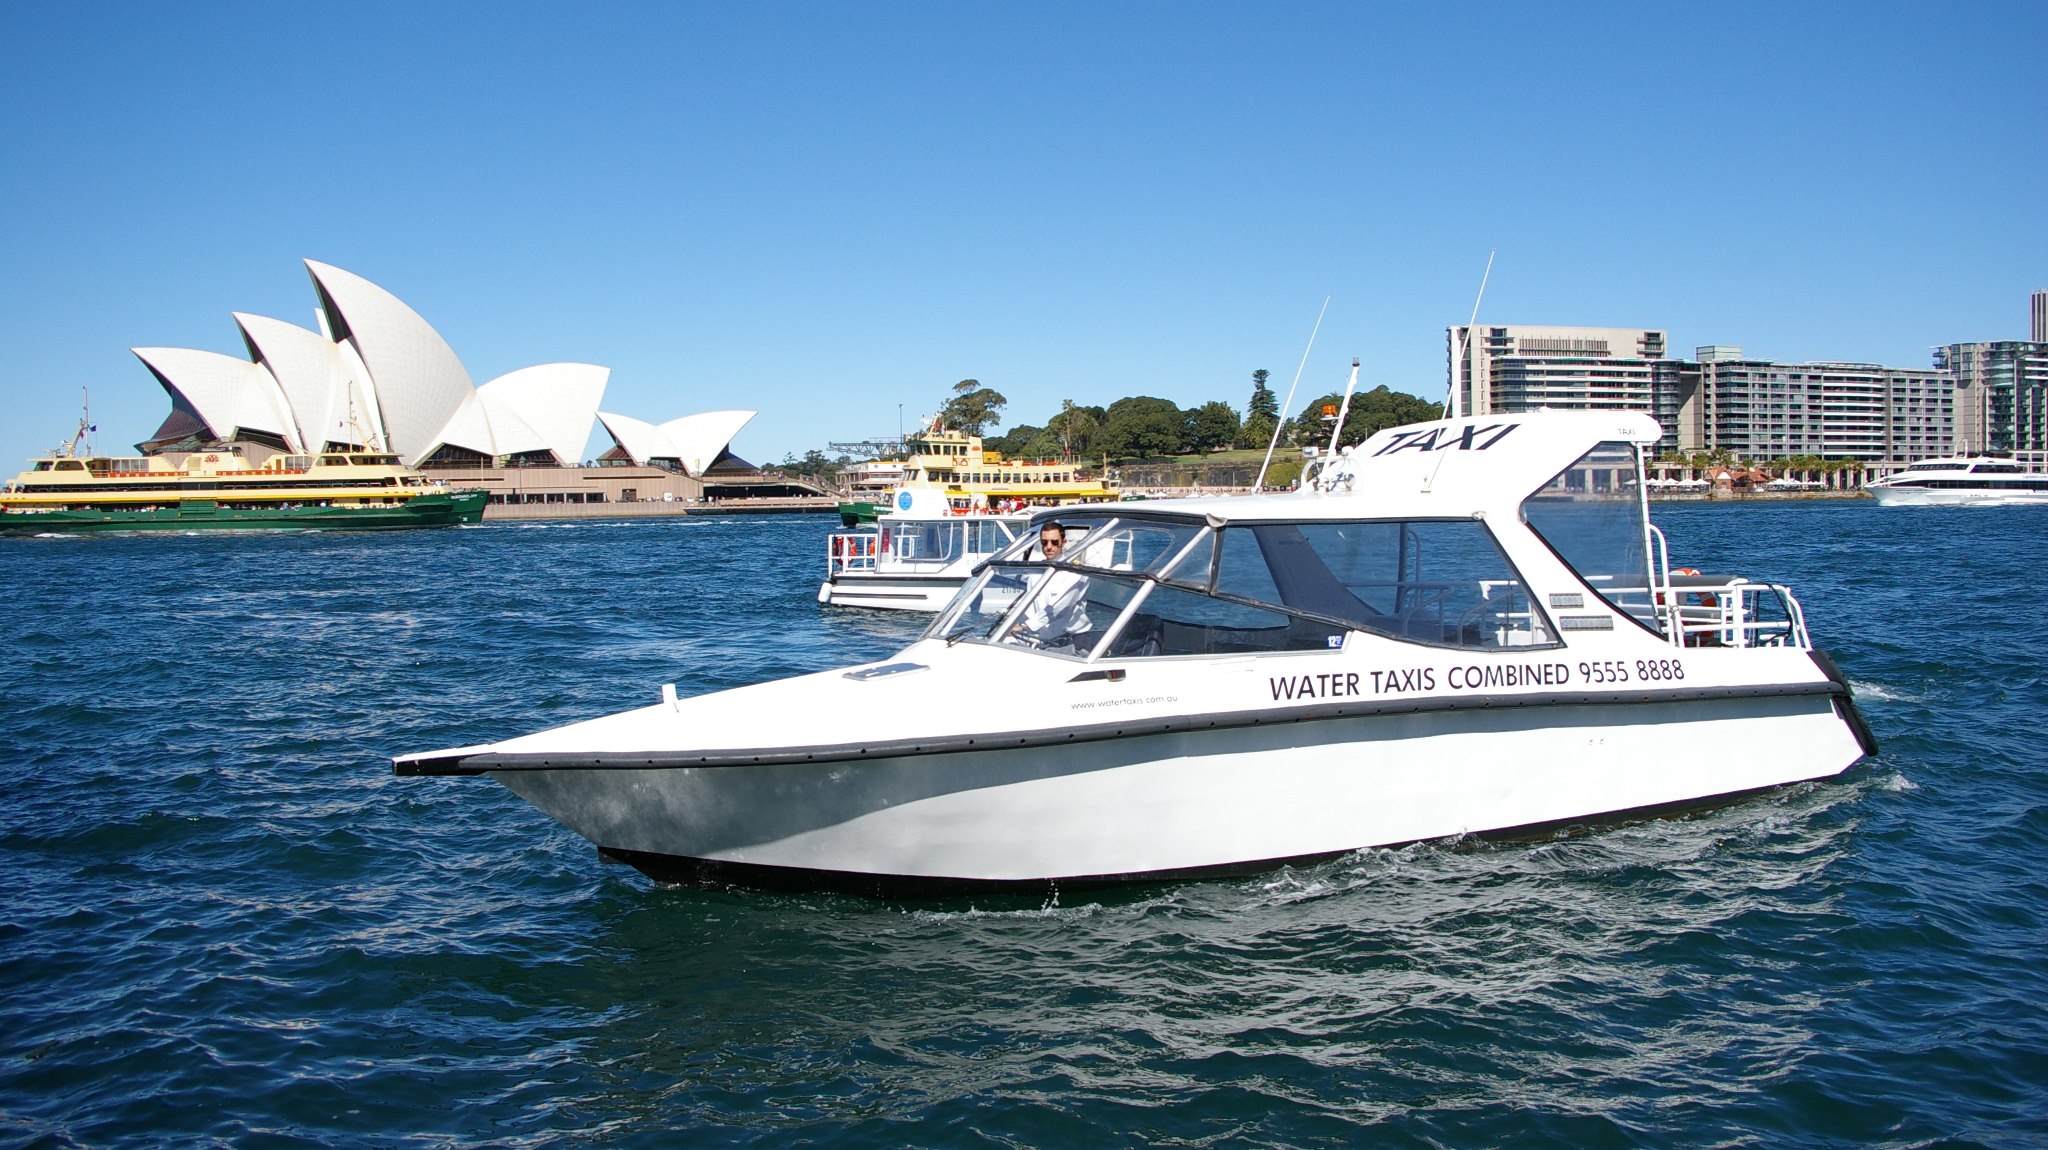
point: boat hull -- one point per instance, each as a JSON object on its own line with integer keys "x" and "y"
{"x": 434, "y": 510}
{"x": 1188, "y": 802}
{"x": 889, "y": 592}
{"x": 1955, "y": 497}
{"x": 858, "y": 512}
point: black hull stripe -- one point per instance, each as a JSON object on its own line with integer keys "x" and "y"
{"x": 687, "y": 871}
{"x": 854, "y": 752}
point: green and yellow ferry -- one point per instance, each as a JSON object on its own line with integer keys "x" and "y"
{"x": 218, "y": 488}
{"x": 972, "y": 478}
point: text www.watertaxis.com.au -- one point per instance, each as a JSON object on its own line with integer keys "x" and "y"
{"x": 1126, "y": 702}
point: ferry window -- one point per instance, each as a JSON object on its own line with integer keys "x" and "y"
{"x": 1442, "y": 582}
{"x": 1591, "y": 515}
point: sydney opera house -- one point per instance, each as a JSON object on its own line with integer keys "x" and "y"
{"x": 376, "y": 376}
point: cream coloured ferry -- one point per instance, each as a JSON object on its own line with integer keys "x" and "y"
{"x": 973, "y": 477}
{"x": 220, "y": 488}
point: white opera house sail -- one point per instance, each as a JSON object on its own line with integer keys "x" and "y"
{"x": 378, "y": 377}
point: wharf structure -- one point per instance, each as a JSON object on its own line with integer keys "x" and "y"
{"x": 377, "y": 377}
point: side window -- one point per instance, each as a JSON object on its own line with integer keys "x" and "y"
{"x": 1175, "y": 622}
{"x": 1443, "y": 582}
{"x": 1591, "y": 514}
{"x": 1242, "y": 569}
{"x": 1437, "y": 581}
{"x": 1192, "y": 568}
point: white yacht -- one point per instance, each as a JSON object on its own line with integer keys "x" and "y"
{"x": 1466, "y": 626}
{"x": 918, "y": 554}
{"x": 1973, "y": 481}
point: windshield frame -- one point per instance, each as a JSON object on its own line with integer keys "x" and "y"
{"x": 1211, "y": 536}
{"x": 1641, "y": 503}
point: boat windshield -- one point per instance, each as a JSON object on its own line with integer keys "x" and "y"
{"x": 1163, "y": 587}
{"x": 1592, "y": 514}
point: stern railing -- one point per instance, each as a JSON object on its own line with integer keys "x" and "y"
{"x": 850, "y": 551}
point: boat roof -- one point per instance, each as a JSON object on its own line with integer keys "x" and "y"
{"x": 1449, "y": 468}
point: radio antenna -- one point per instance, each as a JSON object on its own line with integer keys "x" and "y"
{"x": 1260, "y": 483}
{"x": 1451, "y": 410}
{"x": 1343, "y": 411}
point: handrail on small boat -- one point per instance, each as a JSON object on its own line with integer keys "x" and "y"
{"x": 1725, "y": 611}
{"x": 850, "y": 551}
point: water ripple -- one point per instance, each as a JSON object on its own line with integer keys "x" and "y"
{"x": 230, "y": 923}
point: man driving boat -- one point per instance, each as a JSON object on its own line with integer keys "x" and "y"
{"x": 1057, "y": 615}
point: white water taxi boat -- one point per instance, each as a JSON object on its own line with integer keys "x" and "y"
{"x": 1961, "y": 482}
{"x": 1468, "y": 626}
{"x": 917, "y": 555}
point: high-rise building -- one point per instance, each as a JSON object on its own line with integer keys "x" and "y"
{"x": 1521, "y": 367}
{"x": 2001, "y": 396}
{"x": 1761, "y": 410}
{"x": 2039, "y": 311}
{"x": 1758, "y": 409}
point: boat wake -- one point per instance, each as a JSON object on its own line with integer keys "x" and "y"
{"x": 1879, "y": 691}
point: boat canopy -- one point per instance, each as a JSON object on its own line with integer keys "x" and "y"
{"x": 1436, "y": 554}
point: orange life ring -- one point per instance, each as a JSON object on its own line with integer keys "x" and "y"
{"x": 1706, "y": 598}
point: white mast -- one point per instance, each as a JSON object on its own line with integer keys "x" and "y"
{"x": 1451, "y": 407}
{"x": 1343, "y": 410}
{"x": 1260, "y": 483}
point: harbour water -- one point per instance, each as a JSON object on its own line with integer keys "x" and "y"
{"x": 224, "y": 920}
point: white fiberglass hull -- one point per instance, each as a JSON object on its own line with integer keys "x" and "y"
{"x": 1955, "y": 497}
{"x": 1190, "y": 801}
{"x": 889, "y": 592}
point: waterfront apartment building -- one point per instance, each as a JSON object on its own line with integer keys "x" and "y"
{"x": 1757, "y": 409}
{"x": 1521, "y": 367}
{"x": 1760, "y": 410}
{"x": 2001, "y": 394}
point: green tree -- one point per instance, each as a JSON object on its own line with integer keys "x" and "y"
{"x": 1263, "y": 401}
{"x": 973, "y": 407}
{"x": 1142, "y": 425}
{"x": 1044, "y": 445}
{"x": 1212, "y": 425}
{"x": 1012, "y": 442}
{"x": 1076, "y": 427}
{"x": 814, "y": 465}
{"x": 1371, "y": 412}
{"x": 1257, "y": 431}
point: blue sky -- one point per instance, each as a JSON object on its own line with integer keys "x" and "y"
{"x": 824, "y": 211}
